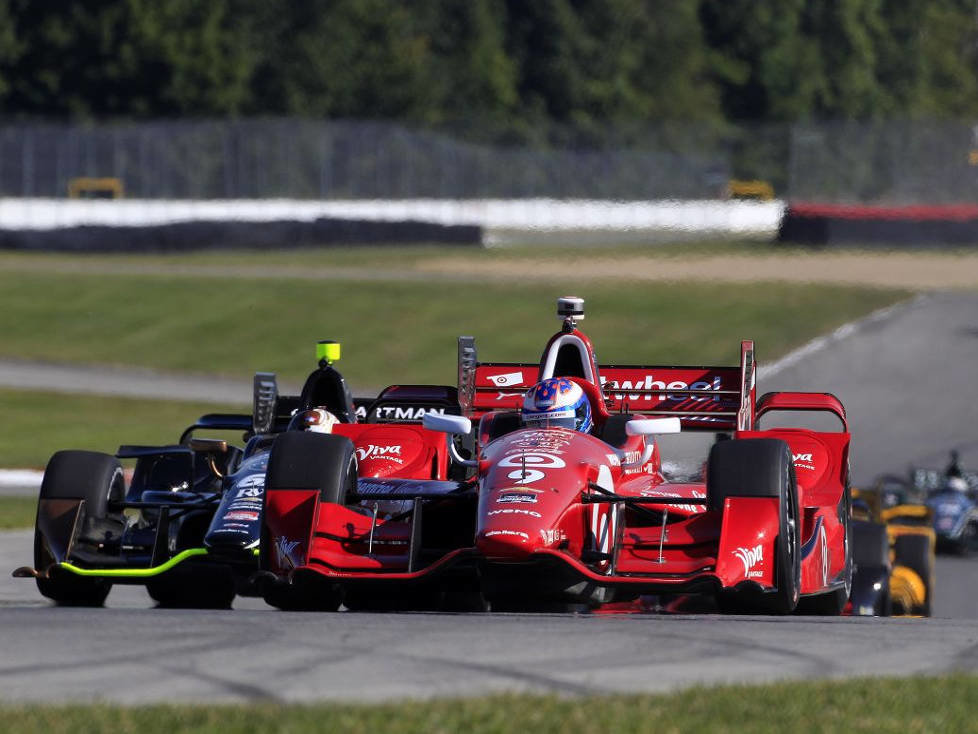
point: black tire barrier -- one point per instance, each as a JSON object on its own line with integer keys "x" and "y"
{"x": 920, "y": 226}
{"x": 224, "y": 235}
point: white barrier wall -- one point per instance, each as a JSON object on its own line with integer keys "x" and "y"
{"x": 502, "y": 219}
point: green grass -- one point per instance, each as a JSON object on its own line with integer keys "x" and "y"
{"x": 397, "y": 331}
{"x": 382, "y": 256}
{"x": 35, "y": 424}
{"x": 945, "y": 704}
{"x": 17, "y": 512}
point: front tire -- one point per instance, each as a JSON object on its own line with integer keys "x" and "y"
{"x": 317, "y": 461}
{"x": 95, "y": 478}
{"x": 760, "y": 467}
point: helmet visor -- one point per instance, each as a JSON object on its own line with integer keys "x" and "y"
{"x": 544, "y": 420}
{"x": 559, "y": 418}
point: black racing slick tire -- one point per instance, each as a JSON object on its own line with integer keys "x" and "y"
{"x": 760, "y": 467}
{"x": 317, "y": 461}
{"x": 915, "y": 552}
{"x": 304, "y": 460}
{"x": 95, "y": 478}
{"x": 201, "y": 588}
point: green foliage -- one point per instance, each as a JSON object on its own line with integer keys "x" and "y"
{"x": 800, "y": 60}
{"x": 124, "y": 58}
{"x": 579, "y": 63}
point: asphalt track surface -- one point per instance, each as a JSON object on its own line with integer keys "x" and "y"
{"x": 906, "y": 376}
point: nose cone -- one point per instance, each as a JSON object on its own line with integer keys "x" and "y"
{"x": 504, "y": 544}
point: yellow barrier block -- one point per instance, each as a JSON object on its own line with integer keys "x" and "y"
{"x": 85, "y": 185}
{"x": 750, "y": 190}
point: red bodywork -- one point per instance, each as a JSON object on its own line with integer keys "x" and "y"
{"x": 545, "y": 514}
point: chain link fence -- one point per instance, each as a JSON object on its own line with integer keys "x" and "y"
{"x": 300, "y": 159}
{"x": 884, "y": 163}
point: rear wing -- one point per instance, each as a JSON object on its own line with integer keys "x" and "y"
{"x": 703, "y": 398}
{"x": 407, "y": 403}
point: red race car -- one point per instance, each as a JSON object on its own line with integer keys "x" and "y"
{"x": 567, "y": 503}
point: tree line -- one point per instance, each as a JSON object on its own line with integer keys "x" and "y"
{"x": 506, "y": 67}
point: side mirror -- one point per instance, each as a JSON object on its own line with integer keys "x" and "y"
{"x": 652, "y": 426}
{"x": 209, "y": 445}
{"x": 648, "y": 427}
{"x": 457, "y": 425}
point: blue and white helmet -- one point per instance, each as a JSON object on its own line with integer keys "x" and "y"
{"x": 557, "y": 401}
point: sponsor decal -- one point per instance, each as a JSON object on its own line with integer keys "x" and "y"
{"x": 631, "y": 457}
{"x": 284, "y": 548}
{"x": 514, "y": 498}
{"x": 507, "y": 380}
{"x": 234, "y": 525}
{"x": 531, "y": 466}
{"x": 551, "y": 439}
{"x": 252, "y": 486}
{"x": 372, "y": 451}
{"x": 404, "y": 487}
{"x": 750, "y": 557}
{"x": 403, "y": 413}
{"x": 241, "y": 515}
{"x": 514, "y": 511}
{"x": 553, "y": 537}
{"x": 250, "y": 507}
{"x": 618, "y": 390}
{"x": 516, "y": 533}
{"x": 803, "y": 461}
{"x": 687, "y": 508}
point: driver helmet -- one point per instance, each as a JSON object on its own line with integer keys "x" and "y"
{"x": 557, "y": 401}
{"x": 317, "y": 420}
{"x": 957, "y": 484}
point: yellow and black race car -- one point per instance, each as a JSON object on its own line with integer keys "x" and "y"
{"x": 893, "y": 550}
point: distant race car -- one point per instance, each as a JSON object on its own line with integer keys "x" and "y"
{"x": 188, "y": 524}
{"x": 555, "y": 515}
{"x": 893, "y": 545}
{"x": 952, "y": 494}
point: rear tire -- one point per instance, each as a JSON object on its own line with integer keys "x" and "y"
{"x": 760, "y": 467}
{"x": 871, "y": 565}
{"x": 914, "y": 552}
{"x": 79, "y": 475}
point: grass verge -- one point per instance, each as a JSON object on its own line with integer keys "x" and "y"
{"x": 17, "y": 513}
{"x": 398, "y": 331}
{"x": 917, "y": 704}
{"x": 36, "y": 424}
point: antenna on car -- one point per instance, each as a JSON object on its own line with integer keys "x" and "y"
{"x": 570, "y": 309}
{"x": 327, "y": 352}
